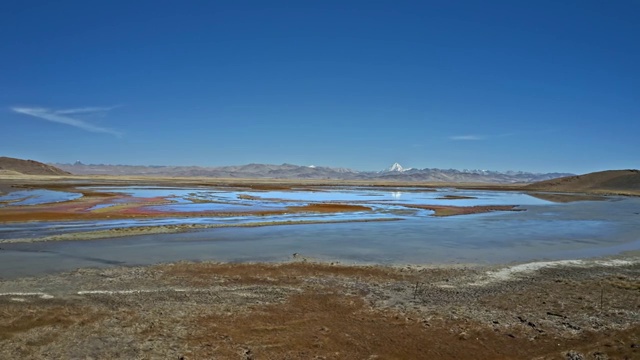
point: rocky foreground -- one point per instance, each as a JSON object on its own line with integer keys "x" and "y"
{"x": 304, "y": 310}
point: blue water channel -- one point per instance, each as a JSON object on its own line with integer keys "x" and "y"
{"x": 543, "y": 231}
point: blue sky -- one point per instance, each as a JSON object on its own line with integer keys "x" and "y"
{"x": 537, "y": 86}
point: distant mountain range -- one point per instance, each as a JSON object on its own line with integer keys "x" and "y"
{"x": 288, "y": 171}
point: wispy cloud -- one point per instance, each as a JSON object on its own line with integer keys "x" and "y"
{"x": 475, "y": 137}
{"x": 69, "y": 117}
{"x": 85, "y": 110}
{"x": 466, "y": 137}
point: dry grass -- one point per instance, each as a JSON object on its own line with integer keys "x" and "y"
{"x": 325, "y": 325}
{"x": 16, "y": 319}
{"x": 269, "y": 187}
{"x": 623, "y": 182}
{"x": 203, "y": 274}
{"x": 248, "y": 197}
{"x": 567, "y": 198}
{"x": 331, "y": 325}
{"x": 626, "y": 283}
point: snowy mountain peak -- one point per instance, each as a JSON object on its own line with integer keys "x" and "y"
{"x": 397, "y": 168}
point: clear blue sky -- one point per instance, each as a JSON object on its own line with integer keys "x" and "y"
{"x": 523, "y": 85}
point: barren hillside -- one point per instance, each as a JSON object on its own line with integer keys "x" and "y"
{"x": 611, "y": 181}
{"x": 28, "y": 167}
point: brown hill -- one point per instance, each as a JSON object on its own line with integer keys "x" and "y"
{"x": 611, "y": 181}
{"x": 28, "y": 167}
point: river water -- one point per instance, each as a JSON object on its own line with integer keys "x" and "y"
{"x": 543, "y": 231}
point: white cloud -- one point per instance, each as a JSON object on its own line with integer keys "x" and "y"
{"x": 466, "y": 137}
{"x": 84, "y": 110}
{"x": 67, "y": 117}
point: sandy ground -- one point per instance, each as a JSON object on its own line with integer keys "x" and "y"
{"x": 305, "y": 310}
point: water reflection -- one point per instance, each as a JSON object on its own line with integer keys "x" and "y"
{"x": 360, "y": 195}
{"x": 546, "y": 230}
{"x": 36, "y": 197}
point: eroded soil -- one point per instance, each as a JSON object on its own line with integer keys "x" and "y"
{"x": 302, "y": 310}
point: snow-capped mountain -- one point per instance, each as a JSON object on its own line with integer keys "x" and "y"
{"x": 397, "y": 168}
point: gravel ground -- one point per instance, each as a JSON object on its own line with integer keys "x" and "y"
{"x": 562, "y": 310}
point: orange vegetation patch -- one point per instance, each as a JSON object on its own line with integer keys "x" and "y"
{"x": 78, "y": 209}
{"x": 132, "y": 207}
{"x": 274, "y": 274}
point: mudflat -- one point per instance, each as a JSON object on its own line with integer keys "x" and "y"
{"x": 301, "y": 309}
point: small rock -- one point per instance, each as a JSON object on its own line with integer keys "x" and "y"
{"x": 600, "y": 356}
{"x": 573, "y": 355}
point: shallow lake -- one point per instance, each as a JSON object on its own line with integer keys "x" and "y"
{"x": 36, "y": 197}
{"x": 545, "y": 230}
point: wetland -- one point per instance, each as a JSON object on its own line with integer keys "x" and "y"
{"x": 70, "y": 226}
{"x": 251, "y": 271}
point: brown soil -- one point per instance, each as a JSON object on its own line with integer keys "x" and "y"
{"x": 626, "y": 182}
{"x": 308, "y": 310}
{"x": 248, "y": 197}
{"x": 9, "y": 173}
{"x": 28, "y": 167}
{"x": 456, "y": 197}
{"x": 449, "y": 210}
{"x": 567, "y": 198}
